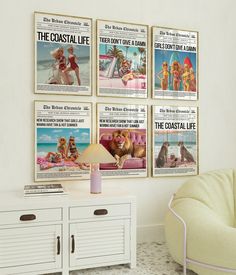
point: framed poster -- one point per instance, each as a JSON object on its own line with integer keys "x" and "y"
{"x": 122, "y": 59}
{"x": 62, "y": 132}
{"x": 122, "y": 130}
{"x": 175, "y": 141}
{"x": 62, "y": 54}
{"x": 175, "y": 64}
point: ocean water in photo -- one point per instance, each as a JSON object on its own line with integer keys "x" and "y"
{"x": 44, "y": 148}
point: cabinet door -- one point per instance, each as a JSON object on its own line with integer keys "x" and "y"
{"x": 99, "y": 242}
{"x": 30, "y": 249}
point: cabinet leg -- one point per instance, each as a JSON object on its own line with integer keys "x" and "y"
{"x": 65, "y": 272}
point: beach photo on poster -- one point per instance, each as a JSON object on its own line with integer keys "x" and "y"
{"x": 123, "y": 56}
{"x": 175, "y": 144}
{"x": 175, "y": 71}
{"x": 58, "y": 149}
{"x": 63, "y": 64}
{"x": 62, "y": 54}
{"x": 175, "y": 140}
{"x": 122, "y": 67}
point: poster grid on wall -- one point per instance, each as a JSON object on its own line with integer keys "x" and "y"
{"x": 174, "y": 141}
{"x": 62, "y": 133}
{"x": 122, "y": 59}
{"x": 63, "y": 54}
{"x": 122, "y": 130}
{"x": 174, "y": 64}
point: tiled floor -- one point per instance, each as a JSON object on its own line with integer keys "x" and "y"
{"x": 152, "y": 259}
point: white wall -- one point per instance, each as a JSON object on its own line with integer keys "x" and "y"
{"x": 215, "y": 21}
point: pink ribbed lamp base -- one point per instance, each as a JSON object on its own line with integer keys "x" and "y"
{"x": 95, "y": 180}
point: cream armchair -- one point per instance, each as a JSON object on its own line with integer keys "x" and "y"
{"x": 200, "y": 224}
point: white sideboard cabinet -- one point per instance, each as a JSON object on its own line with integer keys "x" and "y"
{"x": 43, "y": 235}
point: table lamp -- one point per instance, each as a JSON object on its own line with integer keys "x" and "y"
{"x": 95, "y": 154}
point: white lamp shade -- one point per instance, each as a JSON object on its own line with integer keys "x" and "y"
{"x": 96, "y": 153}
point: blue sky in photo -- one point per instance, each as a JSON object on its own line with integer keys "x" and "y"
{"x": 185, "y": 136}
{"x": 103, "y": 48}
{"x": 44, "y": 49}
{"x": 51, "y": 135}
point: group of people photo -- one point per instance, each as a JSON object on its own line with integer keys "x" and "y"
{"x": 175, "y": 71}
{"x": 65, "y": 154}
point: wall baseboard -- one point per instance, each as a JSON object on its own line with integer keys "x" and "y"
{"x": 150, "y": 233}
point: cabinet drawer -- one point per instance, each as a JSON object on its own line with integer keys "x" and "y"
{"x": 30, "y": 216}
{"x": 97, "y": 211}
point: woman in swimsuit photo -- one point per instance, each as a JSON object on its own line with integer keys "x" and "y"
{"x": 72, "y": 64}
{"x": 60, "y": 65}
{"x": 186, "y": 78}
{"x": 176, "y": 73}
{"x": 165, "y": 75}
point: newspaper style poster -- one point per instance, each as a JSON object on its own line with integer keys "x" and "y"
{"x": 122, "y": 130}
{"x": 175, "y": 141}
{"x": 62, "y": 132}
{"x": 62, "y": 54}
{"x": 122, "y": 59}
{"x": 175, "y": 64}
